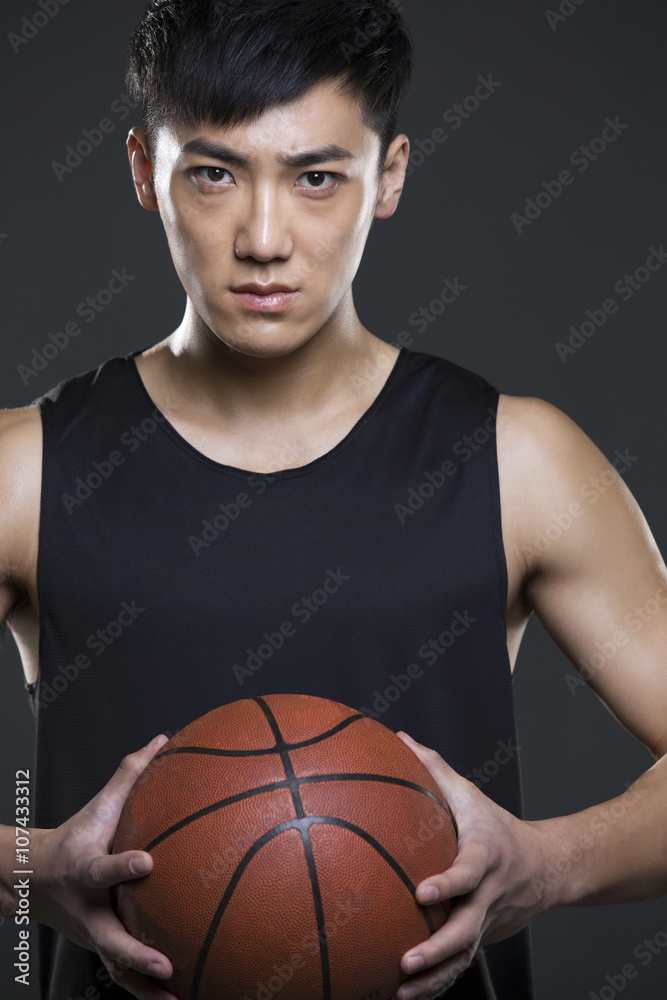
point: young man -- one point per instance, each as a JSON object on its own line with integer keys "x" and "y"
{"x": 272, "y": 498}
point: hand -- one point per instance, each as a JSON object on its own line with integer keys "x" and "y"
{"x": 74, "y": 872}
{"x": 498, "y": 855}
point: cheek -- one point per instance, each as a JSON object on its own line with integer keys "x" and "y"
{"x": 332, "y": 253}
{"x": 356, "y": 232}
{"x": 190, "y": 227}
{"x": 196, "y": 243}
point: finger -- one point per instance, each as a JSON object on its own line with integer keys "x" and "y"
{"x": 137, "y": 985}
{"x": 430, "y": 984}
{"x": 107, "y": 805}
{"x": 466, "y": 873}
{"x": 101, "y": 871}
{"x": 121, "y": 952}
{"x": 450, "y": 779}
{"x": 460, "y": 933}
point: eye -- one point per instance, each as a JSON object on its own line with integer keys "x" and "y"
{"x": 318, "y": 177}
{"x": 213, "y": 175}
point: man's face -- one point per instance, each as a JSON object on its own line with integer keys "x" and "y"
{"x": 301, "y": 225}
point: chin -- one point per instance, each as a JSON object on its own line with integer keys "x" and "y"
{"x": 269, "y": 345}
{"x": 261, "y": 337}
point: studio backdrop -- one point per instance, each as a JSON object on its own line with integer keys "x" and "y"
{"x": 530, "y": 245}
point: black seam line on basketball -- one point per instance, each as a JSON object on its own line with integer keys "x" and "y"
{"x": 273, "y": 786}
{"x": 319, "y": 914}
{"x": 301, "y": 824}
{"x": 284, "y": 757}
{"x": 264, "y": 750}
{"x": 307, "y": 846}
{"x": 275, "y": 831}
{"x": 383, "y": 852}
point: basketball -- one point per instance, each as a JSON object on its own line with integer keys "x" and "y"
{"x": 288, "y": 835}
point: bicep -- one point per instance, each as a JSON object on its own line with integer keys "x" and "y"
{"x": 20, "y": 483}
{"x": 597, "y": 580}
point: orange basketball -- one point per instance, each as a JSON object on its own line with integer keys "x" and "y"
{"x": 288, "y": 834}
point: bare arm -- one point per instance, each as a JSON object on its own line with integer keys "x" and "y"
{"x": 584, "y": 560}
{"x": 20, "y": 448}
{"x": 595, "y": 578}
{"x": 20, "y": 478}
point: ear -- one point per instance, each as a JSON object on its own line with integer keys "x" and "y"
{"x": 393, "y": 177}
{"x": 141, "y": 166}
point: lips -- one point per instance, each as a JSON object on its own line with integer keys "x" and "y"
{"x": 273, "y": 298}
{"x": 255, "y": 289}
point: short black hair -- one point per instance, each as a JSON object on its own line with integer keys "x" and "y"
{"x": 226, "y": 61}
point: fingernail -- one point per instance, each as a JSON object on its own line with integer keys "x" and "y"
{"x": 157, "y": 969}
{"x": 409, "y": 992}
{"x": 428, "y": 894}
{"x": 415, "y": 962}
{"x": 154, "y": 741}
{"x": 408, "y": 736}
{"x": 139, "y": 866}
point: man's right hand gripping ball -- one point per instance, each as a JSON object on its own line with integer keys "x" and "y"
{"x": 74, "y": 873}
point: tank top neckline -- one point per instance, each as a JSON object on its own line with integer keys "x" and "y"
{"x": 316, "y": 463}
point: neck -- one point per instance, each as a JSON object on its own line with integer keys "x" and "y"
{"x": 317, "y": 374}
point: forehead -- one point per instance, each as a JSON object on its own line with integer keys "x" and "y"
{"x": 322, "y": 116}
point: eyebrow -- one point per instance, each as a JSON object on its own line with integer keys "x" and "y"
{"x": 203, "y": 147}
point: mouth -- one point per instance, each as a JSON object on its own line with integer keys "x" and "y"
{"x": 265, "y": 298}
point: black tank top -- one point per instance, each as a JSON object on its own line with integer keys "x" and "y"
{"x": 170, "y": 584}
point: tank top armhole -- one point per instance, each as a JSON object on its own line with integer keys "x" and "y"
{"x": 495, "y": 522}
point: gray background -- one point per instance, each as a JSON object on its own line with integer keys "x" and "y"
{"x": 59, "y": 241}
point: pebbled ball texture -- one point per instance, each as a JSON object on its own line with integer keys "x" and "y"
{"x": 288, "y": 834}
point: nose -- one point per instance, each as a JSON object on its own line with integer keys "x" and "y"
{"x": 264, "y": 235}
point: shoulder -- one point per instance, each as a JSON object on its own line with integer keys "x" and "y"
{"x": 542, "y": 442}
{"x": 551, "y": 473}
{"x": 20, "y": 446}
{"x": 529, "y": 424}
{"x": 20, "y": 459}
